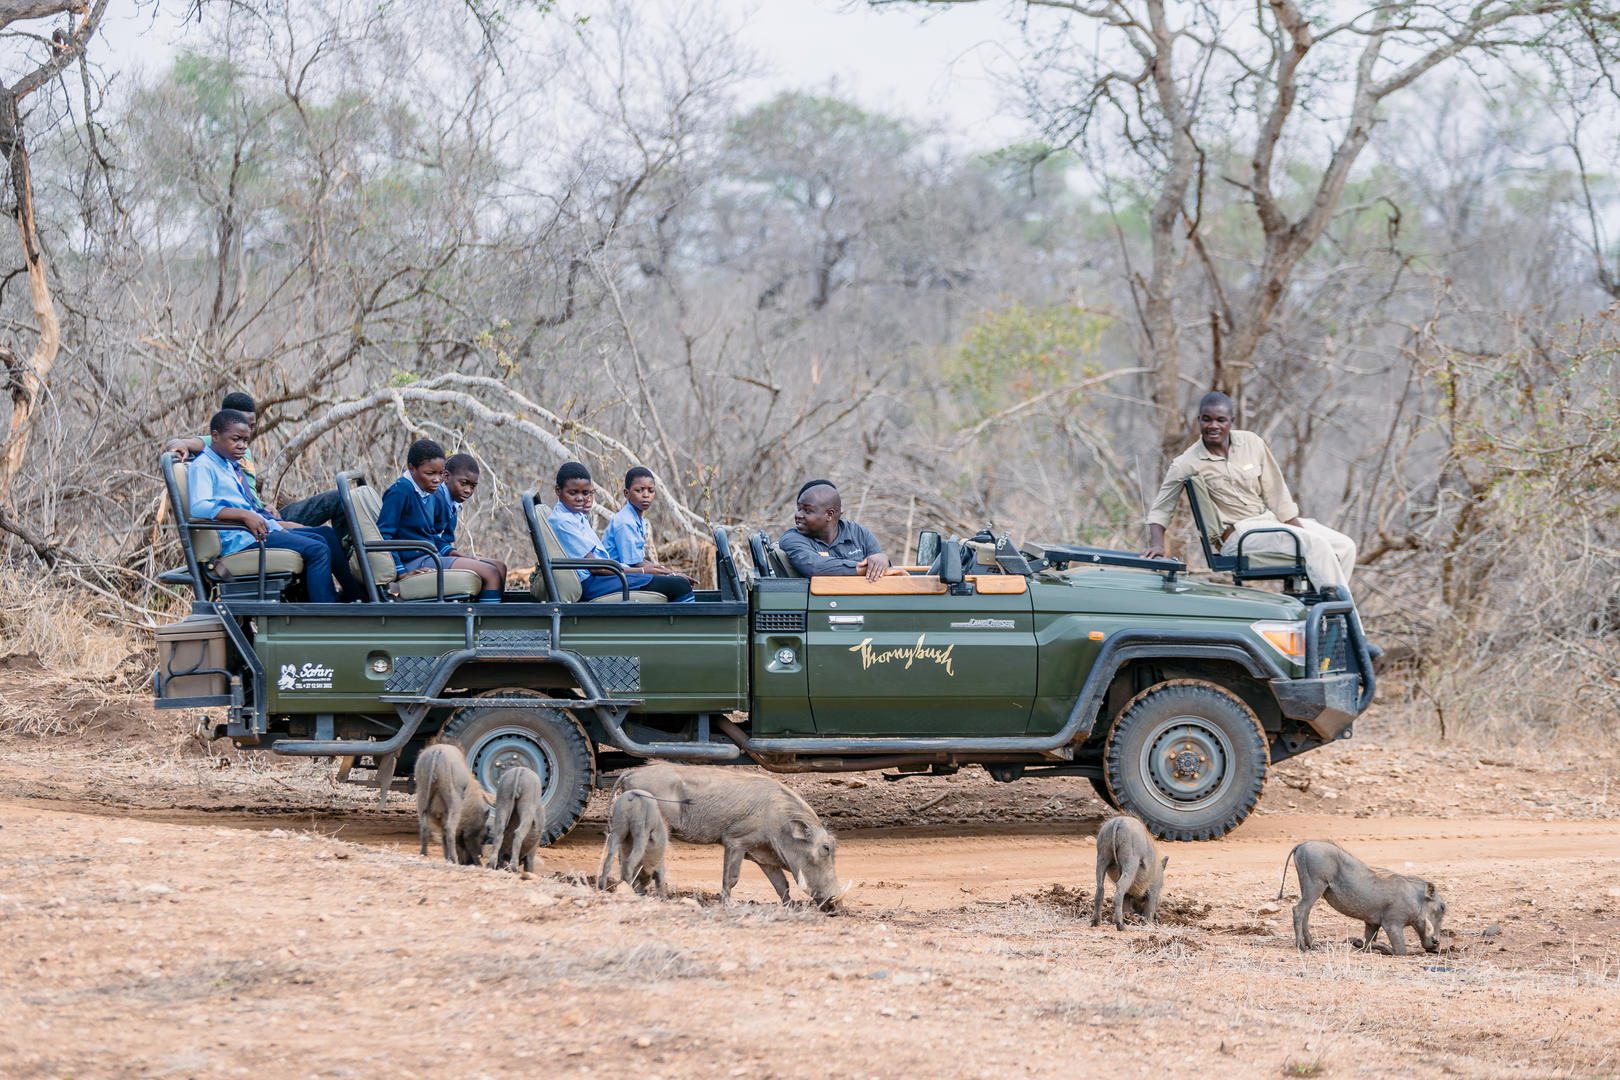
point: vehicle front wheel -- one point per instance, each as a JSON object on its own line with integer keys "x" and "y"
{"x": 549, "y": 741}
{"x": 1188, "y": 758}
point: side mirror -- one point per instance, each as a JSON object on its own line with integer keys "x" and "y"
{"x": 927, "y": 547}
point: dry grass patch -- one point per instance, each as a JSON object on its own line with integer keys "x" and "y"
{"x": 66, "y": 667}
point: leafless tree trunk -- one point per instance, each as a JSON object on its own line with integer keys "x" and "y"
{"x": 26, "y": 379}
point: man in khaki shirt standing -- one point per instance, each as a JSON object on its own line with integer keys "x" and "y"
{"x": 1249, "y": 491}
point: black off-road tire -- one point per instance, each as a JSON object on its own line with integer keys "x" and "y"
{"x": 1187, "y": 757}
{"x": 549, "y": 741}
{"x": 1100, "y": 786}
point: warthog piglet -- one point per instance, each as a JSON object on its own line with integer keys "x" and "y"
{"x": 1126, "y": 856}
{"x": 518, "y": 820}
{"x": 637, "y": 834}
{"x": 449, "y": 799}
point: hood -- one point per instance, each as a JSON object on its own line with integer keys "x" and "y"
{"x": 1105, "y": 591}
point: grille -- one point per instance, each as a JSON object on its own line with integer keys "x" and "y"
{"x": 778, "y": 622}
{"x": 1333, "y": 645}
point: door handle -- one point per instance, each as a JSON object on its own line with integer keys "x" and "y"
{"x": 838, "y": 622}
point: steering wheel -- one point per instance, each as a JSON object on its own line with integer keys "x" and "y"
{"x": 726, "y": 578}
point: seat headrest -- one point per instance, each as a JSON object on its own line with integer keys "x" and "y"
{"x": 784, "y": 565}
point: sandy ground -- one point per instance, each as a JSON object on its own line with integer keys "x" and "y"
{"x": 212, "y": 916}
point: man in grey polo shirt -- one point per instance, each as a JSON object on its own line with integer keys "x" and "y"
{"x": 821, "y": 542}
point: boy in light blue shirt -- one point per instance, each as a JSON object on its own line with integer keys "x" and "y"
{"x": 627, "y": 538}
{"x": 570, "y": 519}
{"x": 220, "y": 491}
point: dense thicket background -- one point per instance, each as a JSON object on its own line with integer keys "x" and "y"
{"x": 544, "y": 235}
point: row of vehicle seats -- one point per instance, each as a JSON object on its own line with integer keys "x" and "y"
{"x": 265, "y": 573}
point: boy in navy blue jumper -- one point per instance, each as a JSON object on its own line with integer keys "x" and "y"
{"x": 461, "y": 476}
{"x": 220, "y": 491}
{"x": 412, "y": 509}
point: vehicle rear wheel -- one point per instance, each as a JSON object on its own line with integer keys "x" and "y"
{"x": 549, "y": 741}
{"x": 1100, "y": 786}
{"x": 1187, "y": 757}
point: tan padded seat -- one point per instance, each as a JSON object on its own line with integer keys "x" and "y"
{"x": 1198, "y": 491}
{"x": 205, "y": 544}
{"x": 426, "y": 586}
{"x": 569, "y": 587}
{"x": 367, "y": 502}
{"x": 245, "y": 564}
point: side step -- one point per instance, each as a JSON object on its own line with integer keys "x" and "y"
{"x": 351, "y": 771}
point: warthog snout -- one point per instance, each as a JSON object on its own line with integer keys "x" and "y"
{"x": 816, "y": 871}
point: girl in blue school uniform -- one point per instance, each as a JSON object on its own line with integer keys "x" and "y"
{"x": 412, "y": 509}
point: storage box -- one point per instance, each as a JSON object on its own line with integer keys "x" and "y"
{"x": 191, "y": 658}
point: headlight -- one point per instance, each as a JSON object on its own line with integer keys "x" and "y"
{"x": 1287, "y": 638}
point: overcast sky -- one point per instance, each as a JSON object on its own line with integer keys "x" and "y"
{"x": 930, "y": 68}
{"x": 895, "y": 59}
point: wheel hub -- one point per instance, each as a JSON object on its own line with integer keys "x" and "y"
{"x": 509, "y": 749}
{"x": 1187, "y": 761}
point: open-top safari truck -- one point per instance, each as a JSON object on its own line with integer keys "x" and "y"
{"x": 1172, "y": 696}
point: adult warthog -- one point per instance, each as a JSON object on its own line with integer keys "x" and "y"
{"x": 751, "y": 817}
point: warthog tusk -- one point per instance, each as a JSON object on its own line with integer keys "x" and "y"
{"x": 844, "y": 891}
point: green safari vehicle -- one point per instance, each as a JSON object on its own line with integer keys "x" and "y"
{"x": 1172, "y": 696}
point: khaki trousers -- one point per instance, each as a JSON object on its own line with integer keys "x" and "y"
{"x": 1330, "y": 556}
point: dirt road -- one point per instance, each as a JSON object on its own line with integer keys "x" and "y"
{"x": 163, "y": 943}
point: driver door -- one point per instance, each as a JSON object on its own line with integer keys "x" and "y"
{"x": 901, "y": 656}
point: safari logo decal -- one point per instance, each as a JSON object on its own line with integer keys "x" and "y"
{"x": 305, "y": 677}
{"x": 871, "y": 657}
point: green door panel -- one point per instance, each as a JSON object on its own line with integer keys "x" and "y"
{"x": 921, "y": 665}
{"x": 686, "y": 664}
{"x": 326, "y": 663}
{"x": 323, "y": 663}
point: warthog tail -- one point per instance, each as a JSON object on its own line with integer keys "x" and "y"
{"x": 1283, "y": 884}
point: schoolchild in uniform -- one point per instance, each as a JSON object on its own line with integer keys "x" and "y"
{"x": 461, "y": 475}
{"x": 220, "y": 490}
{"x": 627, "y": 538}
{"x": 570, "y": 519}
{"x": 412, "y": 509}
